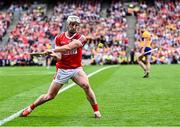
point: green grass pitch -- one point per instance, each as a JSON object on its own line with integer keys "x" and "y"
{"x": 124, "y": 97}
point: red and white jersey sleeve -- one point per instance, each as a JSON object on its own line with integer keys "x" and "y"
{"x": 82, "y": 39}
{"x": 70, "y": 59}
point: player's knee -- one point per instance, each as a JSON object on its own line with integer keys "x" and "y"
{"x": 148, "y": 63}
{"x": 138, "y": 60}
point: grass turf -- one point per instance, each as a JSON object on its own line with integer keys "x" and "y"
{"x": 124, "y": 97}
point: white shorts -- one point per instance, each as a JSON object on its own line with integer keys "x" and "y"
{"x": 63, "y": 75}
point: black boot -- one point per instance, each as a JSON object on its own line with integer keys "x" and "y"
{"x": 146, "y": 75}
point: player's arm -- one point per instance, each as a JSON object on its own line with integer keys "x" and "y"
{"x": 57, "y": 56}
{"x": 76, "y": 43}
{"x": 72, "y": 45}
{"x": 142, "y": 45}
{"x": 142, "y": 50}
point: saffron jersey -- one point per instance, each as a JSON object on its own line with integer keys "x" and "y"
{"x": 145, "y": 44}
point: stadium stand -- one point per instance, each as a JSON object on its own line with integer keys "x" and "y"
{"x": 107, "y": 35}
{"x": 5, "y": 20}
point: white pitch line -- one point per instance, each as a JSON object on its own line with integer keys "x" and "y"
{"x": 17, "y": 114}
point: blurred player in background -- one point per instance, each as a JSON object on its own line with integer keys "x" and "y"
{"x": 145, "y": 54}
{"x": 68, "y": 52}
{"x": 48, "y": 57}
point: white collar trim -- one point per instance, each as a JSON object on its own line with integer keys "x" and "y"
{"x": 68, "y": 36}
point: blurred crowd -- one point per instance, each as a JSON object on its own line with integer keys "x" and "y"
{"x": 162, "y": 21}
{"x": 106, "y": 35}
{"x": 32, "y": 33}
{"x": 35, "y": 31}
{"x": 5, "y": 20}
{"x": 110, "y": 32}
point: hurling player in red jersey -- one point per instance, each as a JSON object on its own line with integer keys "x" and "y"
{"x": 68, "y": 52}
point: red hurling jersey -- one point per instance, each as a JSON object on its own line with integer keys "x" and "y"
{"x": 70, "y": 59}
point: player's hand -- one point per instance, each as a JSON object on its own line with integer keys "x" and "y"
{"x": 53, "y": 54}
{"x": 139, "y": 55}
{"x": 58, "y": 56}
{"x": 48, "y": 52}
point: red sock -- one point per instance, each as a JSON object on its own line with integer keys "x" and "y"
{"x": 95, "y": 107}
{"x": 32, "y": 106}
